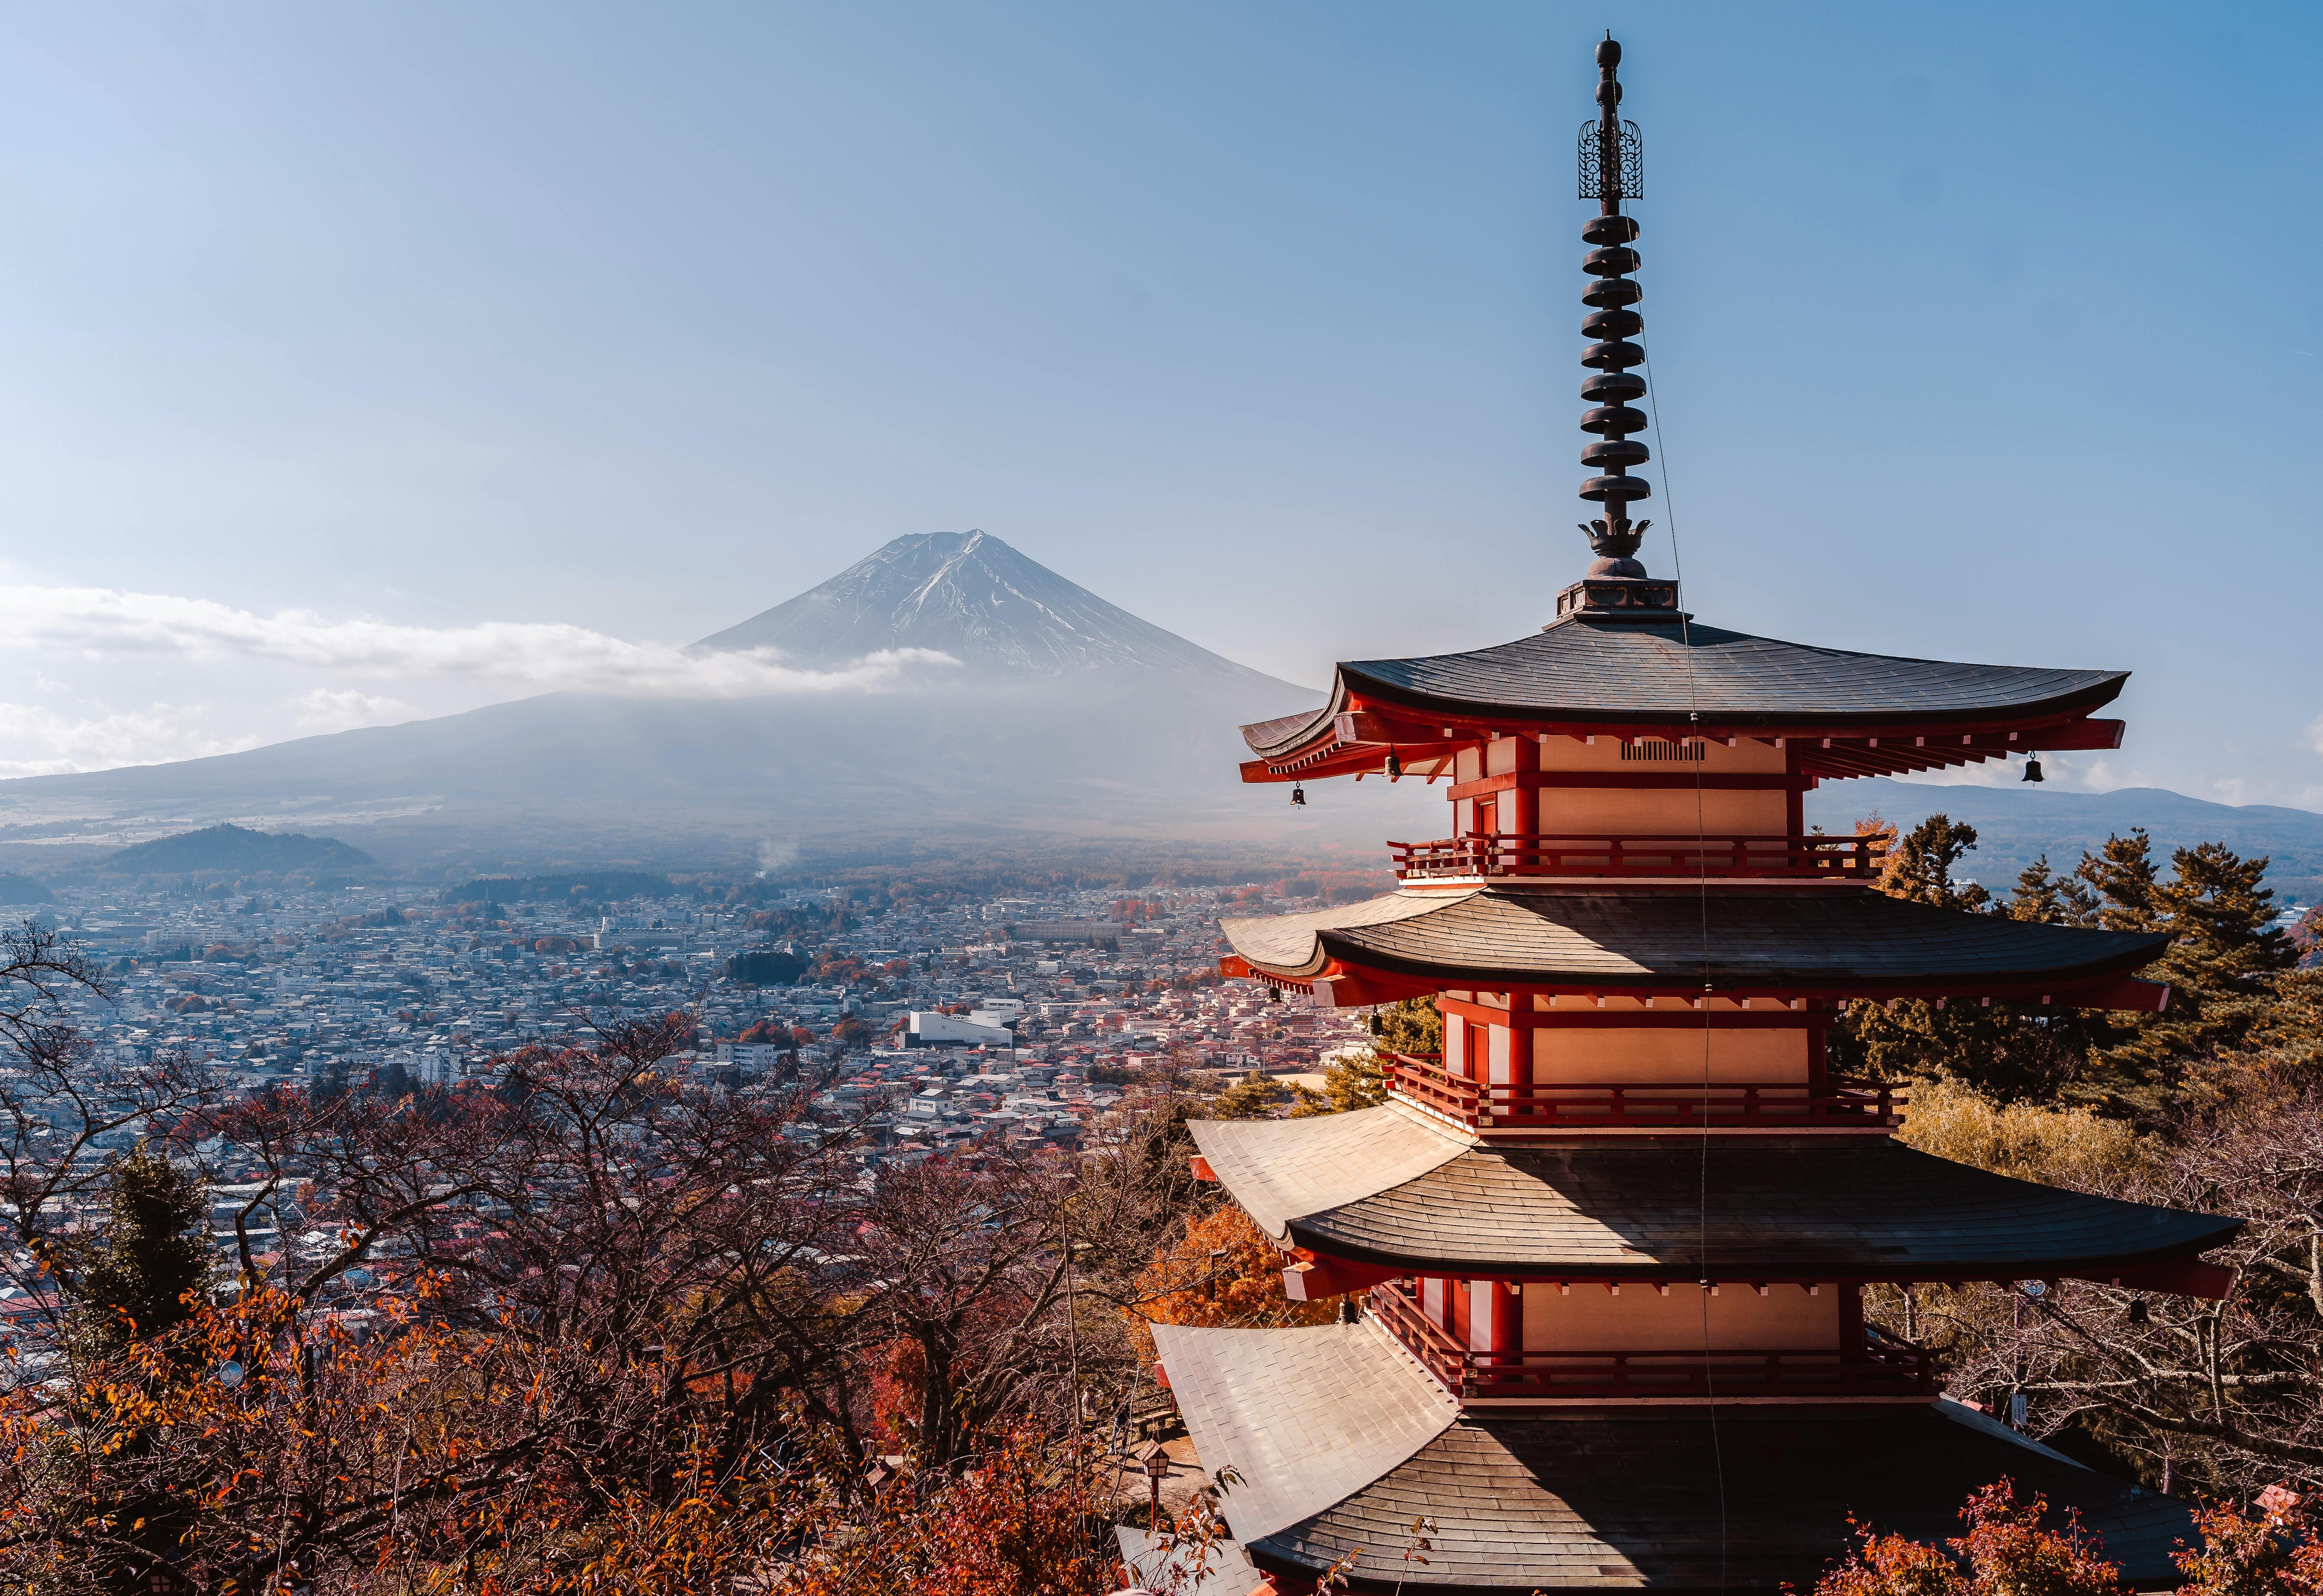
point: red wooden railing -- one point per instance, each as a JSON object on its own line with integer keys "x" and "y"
{"x": 1566, "y": 1105}
{"x": 1815, "y": 856}
{"x": 1886, "y": 1365}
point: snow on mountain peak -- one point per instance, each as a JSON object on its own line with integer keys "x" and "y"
{"x": 970, "y": 595}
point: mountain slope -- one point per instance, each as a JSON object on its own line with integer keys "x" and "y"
{"x": 1076, "y": 716}
{"x": 971, "y": 596}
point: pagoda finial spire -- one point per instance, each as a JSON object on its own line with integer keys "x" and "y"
{"x": 1612, "y": 170}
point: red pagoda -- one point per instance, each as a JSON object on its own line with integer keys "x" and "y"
{"x": 1615, "y": 1239}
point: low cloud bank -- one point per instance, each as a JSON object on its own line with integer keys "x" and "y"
{"x": 523, "y": 655}
{"x": 317, "y": 674}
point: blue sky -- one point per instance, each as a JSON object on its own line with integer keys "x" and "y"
{"x": 1989, "y": 332}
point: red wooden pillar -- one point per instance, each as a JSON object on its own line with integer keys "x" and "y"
{"x": 1522, "y": 1023}
{"x": 1524, "y": 805}
{"x": 1508, "y": 1318}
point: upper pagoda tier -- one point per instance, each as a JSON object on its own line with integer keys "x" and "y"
{"x": 1654, "y": 673}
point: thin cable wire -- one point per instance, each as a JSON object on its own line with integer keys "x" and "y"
{"x": 1701, "y": 899}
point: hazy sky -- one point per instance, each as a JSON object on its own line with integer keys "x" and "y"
{"x": 363, "y": 361}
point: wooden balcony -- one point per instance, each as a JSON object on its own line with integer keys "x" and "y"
{"x": 1563, "y": 1105}
{"x": 1886, "y": 1365}
{"x": 1813, "y": 858}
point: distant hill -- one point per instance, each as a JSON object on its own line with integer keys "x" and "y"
{"x": 231, "y": 849}
{"x": 24, "y": 889}
{"x": 2017, "y": 824}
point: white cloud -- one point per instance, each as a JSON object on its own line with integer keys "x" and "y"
{"x": 524, "y": 655}
{"x": 326, "y": 709}
{"x": 2314, "y": 734}
{"x": 36, "y": 741}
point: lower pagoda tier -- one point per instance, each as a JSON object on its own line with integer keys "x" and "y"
{"x": 1396, "y": 1191}
{"x": 1340, "y": 1442}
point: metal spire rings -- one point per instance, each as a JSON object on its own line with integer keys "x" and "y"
{"x": 1612, "y": 168}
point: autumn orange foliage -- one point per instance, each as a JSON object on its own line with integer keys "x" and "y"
{"x": 2007, "y": 1551}
{"x": 1182, "y": 1286}
{"x": 2273, "y": 1552}
{"x": 419, "y": 1451}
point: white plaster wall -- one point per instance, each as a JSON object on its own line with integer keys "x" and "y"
{"x": 1666, "y": 1053}
{"x": 1661, "y": 812}
{"x": 1480, "y": 1314}
{"x": 1640, "y": 1319}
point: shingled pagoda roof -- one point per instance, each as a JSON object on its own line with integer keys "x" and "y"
{"x": 1588, "y": 938}
{"x": 1582, "y": 670}
{"x": 1342, "y": 1442}
{"x": 1389, "y": 1187}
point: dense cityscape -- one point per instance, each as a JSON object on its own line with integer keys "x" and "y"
{"x": 1015, "y": 1022}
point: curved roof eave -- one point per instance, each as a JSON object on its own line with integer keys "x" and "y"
{"x": 2069, "y": 704}
{"x": 1388, "y": 1187}
{"x": 1637, "y": 675}
{"x": 1836, "y": 941}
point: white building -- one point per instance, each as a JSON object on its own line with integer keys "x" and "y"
{"x": 927, "y": 1029}
{"x": 753, "y": 1055}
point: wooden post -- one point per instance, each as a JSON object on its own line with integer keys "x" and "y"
{"x": 1508, "y": 1327}
{"x": 1524, "y": 806}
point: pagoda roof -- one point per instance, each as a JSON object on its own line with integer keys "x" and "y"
{"x": 1596, "y": 1497}
{"x": 1809, "y": 940}
{"x": 1583, "y": 671}
{"x": 1384, "y": 1408}
{"x": 1389, "y": 1187}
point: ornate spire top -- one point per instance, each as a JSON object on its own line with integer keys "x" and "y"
{"x": 1612, "y": 169}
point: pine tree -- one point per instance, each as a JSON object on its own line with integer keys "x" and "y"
{"x": 1350, "y": 1081}
{"x": 2048, "y": 899}
{"x": 153, "y": 1251}
{"x": 2123, "y": 875}
{"x": 2007, "y": 1052}
{"x": 1254, "y": 1096}
{"x": 1919, "y": 867}
{"x": 2224, "y": 965}
{"x": 1412, "y": 1027}
{"x": 135, "y": 1281}
{"x": 1360, "y": 1080}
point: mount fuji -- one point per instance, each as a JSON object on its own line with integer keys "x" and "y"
{"x": 969, "y": 595}
{"x": 1053, "y": 711}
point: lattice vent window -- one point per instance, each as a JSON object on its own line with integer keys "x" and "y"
{"x": 1656, "y": 749}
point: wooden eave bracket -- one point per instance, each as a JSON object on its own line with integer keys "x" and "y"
{"x": 1313, "y": 1279}
{"x": 1361, "y": 735}
{"x": 1353, "y": 986}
